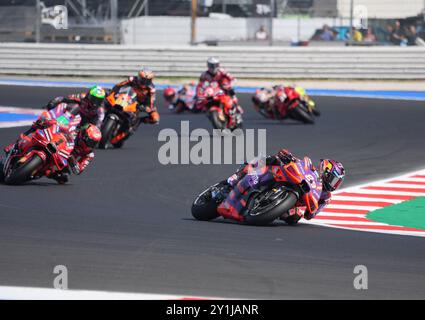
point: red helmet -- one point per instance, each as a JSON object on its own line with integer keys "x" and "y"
{"x": 169, "y": 94}
{"x": 90, "y": 135}
{"x": 332, "y": 174}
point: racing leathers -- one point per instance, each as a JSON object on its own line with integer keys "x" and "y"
{"x": 294, "y": 214}
{"x": 93, "y": 116}
{"x": 184, "y": 100}
{"x": 146, "y": 95}
{"x": 222, "y": 78}
{"x": 81, "y": 156}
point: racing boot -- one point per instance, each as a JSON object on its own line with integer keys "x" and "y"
{"x": 60, "y": 178}
{"x": 292, "y": 216}
{"x": 229, "y": 212}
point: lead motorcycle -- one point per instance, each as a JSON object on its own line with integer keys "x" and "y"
{"x": 45, "y": 150}
{"x": 289, "y": 102}
{"x": 121, "y": 118}
{"x": 222, "y": 109}
{"x": 264, "y": 194}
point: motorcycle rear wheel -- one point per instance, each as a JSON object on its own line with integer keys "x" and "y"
{"x": 261, "y": 211}
{"x": 24, "y": 172}
{"x": 316, "y": 112}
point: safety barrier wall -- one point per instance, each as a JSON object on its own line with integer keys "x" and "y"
{"x": 243, "y": 62}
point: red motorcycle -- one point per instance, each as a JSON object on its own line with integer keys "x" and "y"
{"x": 285, "y": 102}
{"x": 45, "y": 150}
{"x": 222, "y": 109}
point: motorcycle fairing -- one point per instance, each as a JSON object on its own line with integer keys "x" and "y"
{"x": 293, "y": 174}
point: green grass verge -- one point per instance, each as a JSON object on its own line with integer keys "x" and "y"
{"x": 407, "y": 214}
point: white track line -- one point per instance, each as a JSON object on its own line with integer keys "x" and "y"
{"x": 342, "y": 222}
{"x": 336, "y": 214}
{"x": 354, "y": 199}
{"x": 31, "y": 293}
{"x": 400, "y": 185}
{"x": 349, "y": 206}
{"x": 23, "y": 123}
{"x": 393, "y": 232}
{"x": 389, "y": 192}
{"x": 327, "y": 220}
{"x": 20, "y": 110}
{"x": 15, "y": 124}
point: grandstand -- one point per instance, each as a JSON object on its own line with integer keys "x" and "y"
{"x": 90, "y": 20}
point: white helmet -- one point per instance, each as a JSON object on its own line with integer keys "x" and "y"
{"x": 213, "y": 64}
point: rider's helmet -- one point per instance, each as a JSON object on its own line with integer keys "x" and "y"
{"x": 90, "y": 135}
{"x": 92, "y": 101}
{"x": 145, "y": 77}
{"x": 332, "y": 174}
{"x": 213, "y": 64}
{"x": 169, "y": 94}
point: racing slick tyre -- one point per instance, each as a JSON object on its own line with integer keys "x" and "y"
{"x": 1, "y": 171}
{"x": 108, "y": 129}
{"x": 118, "y": 145}
{"x": 316, "y": 112}
{"x": 216, "y": 122}
{"x": 303, "y": 114}
{"x": 204, "y": 207}
{"x": 265, "y": 207}
{"x": 23, "y": 172}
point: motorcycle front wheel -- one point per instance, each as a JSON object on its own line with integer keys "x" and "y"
{"x": 1, "y": 171}
{"x": 204, "y": 207}
{"x": 216, "y": 122}
{"x": 108, "y": 129}
{"x": 301, "y": 113}
{"x": 265, "y": 207}
{"x": 23, "y": 172}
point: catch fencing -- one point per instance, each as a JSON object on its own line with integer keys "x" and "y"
{"x": 189, "y": 62}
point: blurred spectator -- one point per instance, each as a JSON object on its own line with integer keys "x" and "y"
{"x": 357, "y": 35}
{"x": 327, "y": 34}
{"x": 411, "y": 35}
{"x": 397, "y": 36}
{"x": 370, "y": 36}
{"x": 261, "y": 34}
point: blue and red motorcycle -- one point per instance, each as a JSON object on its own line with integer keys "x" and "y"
{"x": 264, "y": 194}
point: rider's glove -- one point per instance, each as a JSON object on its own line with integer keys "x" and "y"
{"x": 152, "y": 118}
{"x": 285, "y": 156}
{"x": 231, "y": 92}
{"x": 75, "y": 168}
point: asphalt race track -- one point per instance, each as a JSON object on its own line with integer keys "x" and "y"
{"x": 125, "y": 224}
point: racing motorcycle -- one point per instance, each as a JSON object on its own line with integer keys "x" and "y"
{"x": 292, "y": 102}
{"x": 264, "y": 194}
{"x": 45, "y": 150}
{"x": 121, "y": 118}
{"x": 181, "y": 100}
{"x": 221, "y": 109}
